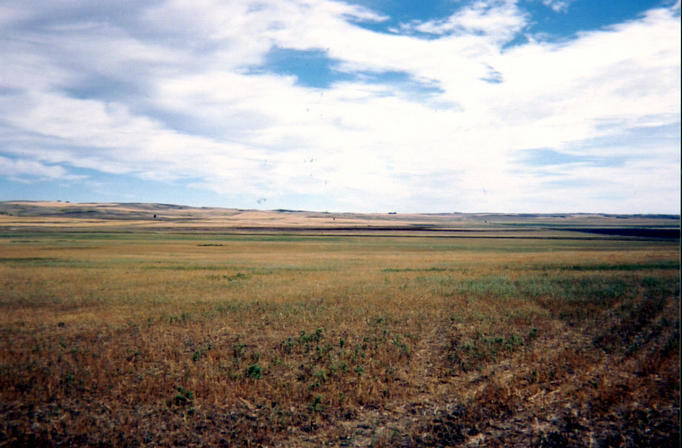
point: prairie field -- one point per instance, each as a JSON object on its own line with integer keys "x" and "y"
{"x": 144, "y": 338}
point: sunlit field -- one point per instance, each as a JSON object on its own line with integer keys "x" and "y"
{"x": 136, "y": 339}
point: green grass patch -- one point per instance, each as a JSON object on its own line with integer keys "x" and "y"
{"x": 45, "y": 262}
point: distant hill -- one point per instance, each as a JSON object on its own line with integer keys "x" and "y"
{"x": 171, "y": 217}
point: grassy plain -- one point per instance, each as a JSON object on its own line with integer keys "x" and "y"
{"x": 248, "y": 339}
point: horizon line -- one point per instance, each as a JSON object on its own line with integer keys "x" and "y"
{"x": 672, "y": 215}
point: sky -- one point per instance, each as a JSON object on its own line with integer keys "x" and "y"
{"x": 514, "y": 106}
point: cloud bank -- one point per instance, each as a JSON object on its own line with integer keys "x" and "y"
{"x": 467, "y": 112}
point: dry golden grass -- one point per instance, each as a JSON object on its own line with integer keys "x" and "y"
{"x": 135, "y": 339}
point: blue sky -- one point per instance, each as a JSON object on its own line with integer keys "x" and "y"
{"x": 358, "y": 105}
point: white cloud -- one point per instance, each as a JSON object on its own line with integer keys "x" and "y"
{"x": 557, "y": 5}
{"x": 498, "y": 19}
{"x": 170, "y": 95}
{"x": 23, "y": 170}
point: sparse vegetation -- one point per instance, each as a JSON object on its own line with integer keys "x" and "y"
{"x": 116, "y": 339}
